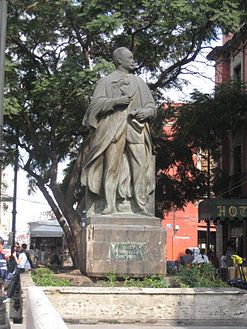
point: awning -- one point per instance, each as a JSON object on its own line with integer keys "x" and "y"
{"x": 45, "y": 229}
{"x": 223, "y": 209}
{"x": 6, "y": 198}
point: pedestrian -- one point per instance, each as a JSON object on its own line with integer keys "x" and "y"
{"x": 3, "y": 263}
{"x": 187, "y": 258}
{"x": 33, "y": 255}
{"x": 230, "y": 250}
{"x": 223, "y": 266}
{"x": 11, "y": 261}
{"x": 11, "y": 264}
{"x": 213, "y": 259}
{"x": 23, "y": 265}
{"x": 201, "y": 258}
{"x": 42, "y": 255}
{"x": 17, "y": 248}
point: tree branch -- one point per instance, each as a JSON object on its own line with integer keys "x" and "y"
{"x": 36, "y": 59}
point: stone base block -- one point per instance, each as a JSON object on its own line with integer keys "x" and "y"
{"x": 125, "y": 245}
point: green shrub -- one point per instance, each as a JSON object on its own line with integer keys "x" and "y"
{"x": 155, "y": 282}
{"x": 112, "y": 279}
{"x": 45, "y": 277}
{"x": 198, "y": 276}
{"x": 148, "y": 282}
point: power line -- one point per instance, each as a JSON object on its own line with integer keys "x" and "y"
{"x": 26, "y": 200}
{"x": 32, "y": 201}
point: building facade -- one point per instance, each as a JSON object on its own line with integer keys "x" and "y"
{"x": 183, "y": 230}
{"x": 230, "y": 210}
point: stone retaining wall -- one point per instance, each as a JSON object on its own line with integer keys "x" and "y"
{"x": 200, "y": 306}
{"x": 37, "y": 310}
{"x": 40, "y": 314}
{"x": 125, "y": 305}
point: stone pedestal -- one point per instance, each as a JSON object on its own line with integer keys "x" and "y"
{"x": 123, "y": 244}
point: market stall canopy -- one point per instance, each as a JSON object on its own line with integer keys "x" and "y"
{"x": 45, "y": 229}
{"x": 223, "y": 209}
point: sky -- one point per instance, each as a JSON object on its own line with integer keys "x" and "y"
{"x": 28, "y": 207}
{"x": 201, "y": 79}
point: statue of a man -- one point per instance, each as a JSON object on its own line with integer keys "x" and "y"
{"x": 119, "y": 168}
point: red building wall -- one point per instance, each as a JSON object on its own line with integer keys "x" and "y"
{"x": 181, "y": 226}
{"x": 182, "y": 231}
{"x": 222, "y": 71}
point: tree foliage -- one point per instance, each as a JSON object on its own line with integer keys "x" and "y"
{"x": 199, "y": 128}
{"x": 56, "y": 51}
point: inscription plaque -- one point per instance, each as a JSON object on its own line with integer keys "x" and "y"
{"x": 127, "y": 251}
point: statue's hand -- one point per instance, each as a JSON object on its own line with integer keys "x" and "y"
{"x": 121, "y": 101}
{"x": 143, "y": 114}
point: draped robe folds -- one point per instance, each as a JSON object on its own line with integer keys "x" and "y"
{"x": 108, "y": 124}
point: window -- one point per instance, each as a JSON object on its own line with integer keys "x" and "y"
{"x": 237, "y": 159}
{"x": 235, "y": 180}
{"x": 237, "y": 73}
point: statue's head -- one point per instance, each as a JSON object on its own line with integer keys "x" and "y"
{"x": 123, "y": 58}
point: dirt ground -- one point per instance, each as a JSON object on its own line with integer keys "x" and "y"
{"x": 77, "y": 279}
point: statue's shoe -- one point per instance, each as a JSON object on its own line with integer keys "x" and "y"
{"x": 145, "y": 213}
{"x": 124, "y": 207}
{"x": 109, "y": 211}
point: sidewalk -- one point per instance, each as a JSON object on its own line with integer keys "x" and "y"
{"x": 130, "y": 326}
{"x": 144, "y": 326}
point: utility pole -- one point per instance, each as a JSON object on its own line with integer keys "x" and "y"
{"x": 3, "y": 27}
{"x": 15, "y": 196}
{"x": 209, "y": 195}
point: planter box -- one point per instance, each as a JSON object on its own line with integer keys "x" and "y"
{"x": 218, "y": 306}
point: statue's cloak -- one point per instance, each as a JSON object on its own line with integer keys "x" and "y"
{"x": 108, "y": 124}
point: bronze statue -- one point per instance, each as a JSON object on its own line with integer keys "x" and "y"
{"x": 119, "y": 168}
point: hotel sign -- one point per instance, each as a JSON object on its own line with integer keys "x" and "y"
{"x": 223, "y": 209}
{"x": 232, "y": 211}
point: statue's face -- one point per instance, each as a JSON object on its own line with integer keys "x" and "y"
{"x": 126, "y": 60}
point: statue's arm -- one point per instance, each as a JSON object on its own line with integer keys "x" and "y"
{"x": 103, "y": 103}
{"x": 148, "y": 109}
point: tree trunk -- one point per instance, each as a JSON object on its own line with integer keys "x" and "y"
{"x": 68, "y": 219}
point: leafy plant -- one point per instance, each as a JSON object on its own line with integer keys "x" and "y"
{"x": 112, "y": 278}
{"x": 45, "y": 277}
{"x": 148, "y": 282}
{"x": 198, "y": 276}
{"x": 155, "y": 282}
